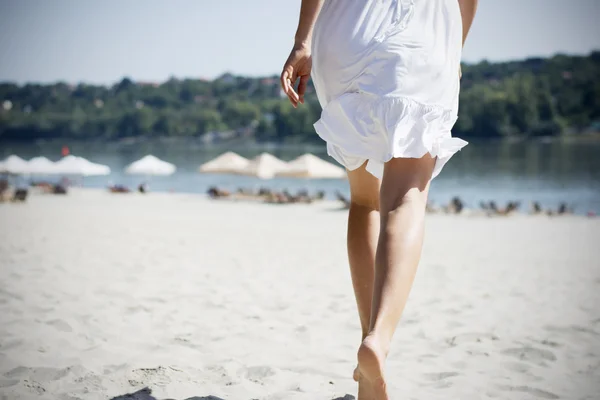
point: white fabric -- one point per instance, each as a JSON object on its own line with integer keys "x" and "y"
{"x": 386, "y": 73}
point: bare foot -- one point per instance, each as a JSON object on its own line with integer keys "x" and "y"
{"x": 371, "y": 360}
{"x": 365, "y": 390}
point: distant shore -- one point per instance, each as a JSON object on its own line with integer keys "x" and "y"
{"x": 317, "y": 143}
{"x": 526, "y": 98}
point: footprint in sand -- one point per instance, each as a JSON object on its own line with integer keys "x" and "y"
{"x": 4, "y": 383}
{"x": 11, "y": 344}
{"x": 149, "y": 376}
{"x": 571, "y": 329}
{"x": 257, "y": 374}
{"x": 519, "y": 367}
{"x": 302, "y": 333}
{"x": 60, "y": 325}
{"x": 460, "y": 364}
{"x": 471, "y": 338}
{"x": 548, "y": 343}
{"x": 542, "y": 394}
{"x": 217, "y": 370}
{"x": 34, "y": 386}
{"x": 43, "y": 374}
{"x": 183, "y": 341}
{"x": 454, "y": 324}
{"x": 334, "y": 306}
{"x": 531, "y": 354}
{"x": 440, "y": 376}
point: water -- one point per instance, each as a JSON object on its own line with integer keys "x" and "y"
{"x": 549, "y": 172}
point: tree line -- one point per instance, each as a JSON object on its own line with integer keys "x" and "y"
{"x": 533, "y": 97}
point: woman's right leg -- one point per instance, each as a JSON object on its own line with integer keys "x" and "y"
{"x": 363, "y": 232}
{"x": 404, "y": 190}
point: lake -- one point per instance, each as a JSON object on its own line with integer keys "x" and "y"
{"x": 546, "y": 171}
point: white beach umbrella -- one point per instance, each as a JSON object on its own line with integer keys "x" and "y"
{"x": 41, "y": 166}
{"x": 13, "y": 165}
{"x": 311, "y": 166}
{"x": 150, "y": 165}
{"x": 72, "y": 165}
{"x": 265, "y": 166}
{"x": 226, "y": 163}
{"x": 97, "y": 169}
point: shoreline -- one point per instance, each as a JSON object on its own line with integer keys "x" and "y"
{"x": 326, "y": 204}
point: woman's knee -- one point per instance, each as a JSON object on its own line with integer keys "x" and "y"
{"x": 406, "y": 183}
{"x": 413, "y": 198}
{"x": 369, "y": 201}
{"x": 364, "y": 189}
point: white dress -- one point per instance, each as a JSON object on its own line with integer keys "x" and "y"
{"x": 386, "y": 73}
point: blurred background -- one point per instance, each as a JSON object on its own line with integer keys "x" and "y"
{"x": 186, "y": 81}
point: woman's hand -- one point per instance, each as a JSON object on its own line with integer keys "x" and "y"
{"x": 297, "y": 66}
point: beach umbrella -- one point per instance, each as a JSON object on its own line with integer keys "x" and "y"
{"x": 311, "y": 166}
{"x": 265, "y": 166}
{"x": 97, "y": 169}
{"x": 150, "y": 165}
{"x": 14, "y": 165}
{"x": 73, "y": 165}
{"x": 226, "y": 163}
{"x": 41, "y": 166}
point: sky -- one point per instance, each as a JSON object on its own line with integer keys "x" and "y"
{"x": 103, "y": 41}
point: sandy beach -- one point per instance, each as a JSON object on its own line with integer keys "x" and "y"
{"x": 103, "y": 295}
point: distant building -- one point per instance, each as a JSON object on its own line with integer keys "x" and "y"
{"x": 7, "y": 105}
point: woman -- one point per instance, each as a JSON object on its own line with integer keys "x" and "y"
{"x": 387, "y": 75}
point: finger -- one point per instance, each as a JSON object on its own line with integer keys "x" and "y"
{"x": 302, "y": 87}
{"x": 293, "y": 97}
{"x": 292, "y": 92}
{"x": 294, "y": 102}
{"x": 287, "y": 87}
{"x": 284, "y": 80}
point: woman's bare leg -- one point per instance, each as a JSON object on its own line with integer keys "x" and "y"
{"x": 403, "y": 198}
{"x": 363, "y": 232}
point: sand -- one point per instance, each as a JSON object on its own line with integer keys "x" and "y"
{"x": 103, "y": 295}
